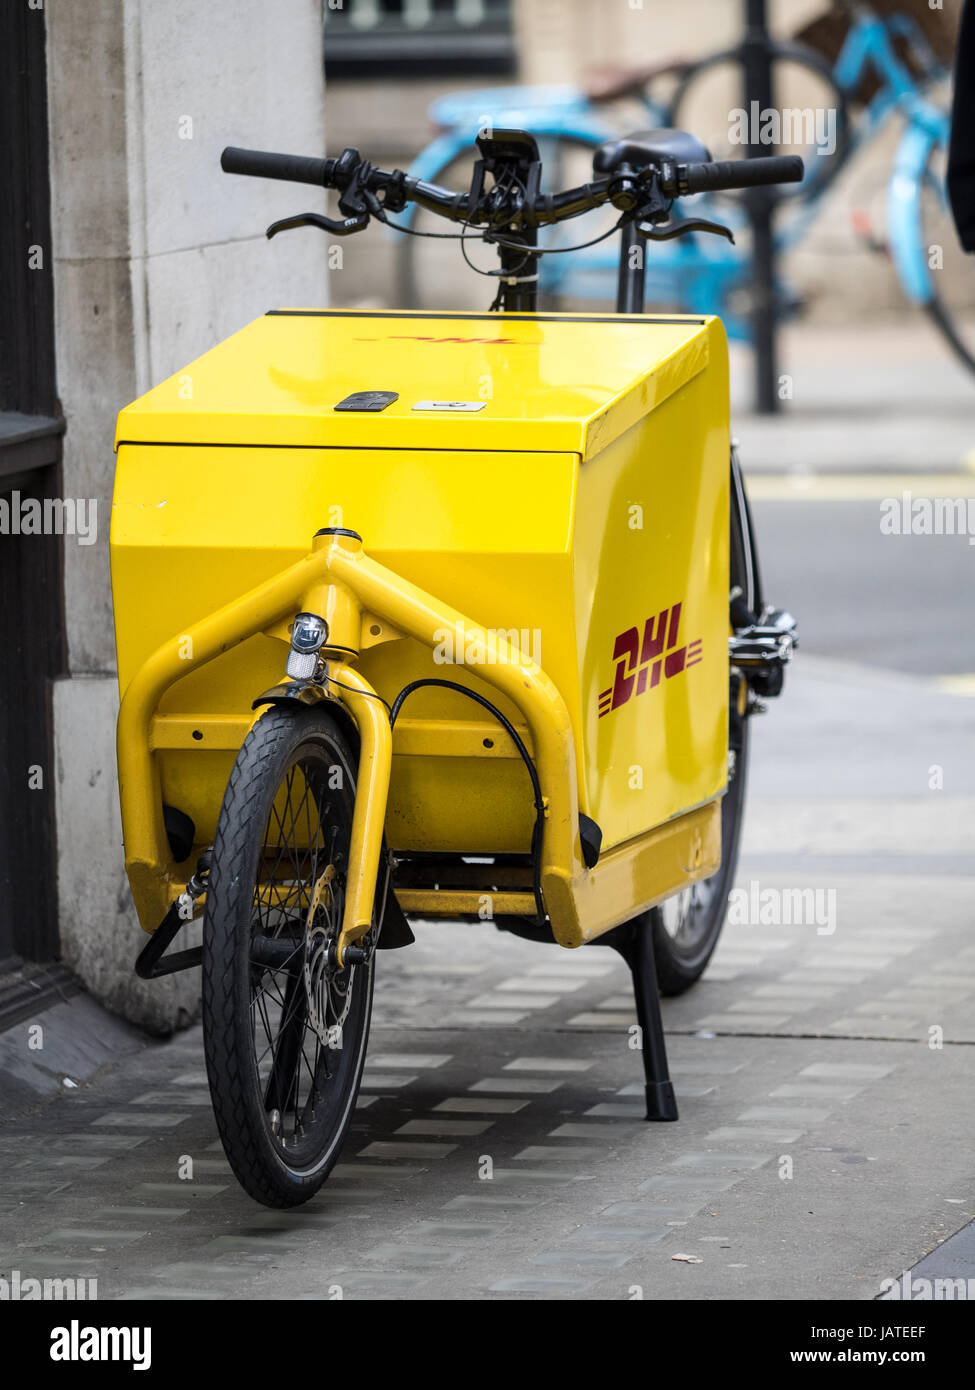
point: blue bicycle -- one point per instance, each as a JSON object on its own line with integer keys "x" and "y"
{"x": 698, "y": 274}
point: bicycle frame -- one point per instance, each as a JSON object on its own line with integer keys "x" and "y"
{"x": 513, "y": 503}
{"x": 869, "y": 45}
{"x": 868, "y": 48}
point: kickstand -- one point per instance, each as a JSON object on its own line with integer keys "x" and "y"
{"x": 634, "y": 942}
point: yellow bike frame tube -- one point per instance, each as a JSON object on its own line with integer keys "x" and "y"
{"x": 147, "y": 850}
{"x": 369, "y": 813}
{"x": 420, "y": 615}
{"x": 380, "y": 591}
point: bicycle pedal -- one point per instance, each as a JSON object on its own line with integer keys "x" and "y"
{"x": 763, "y": 650}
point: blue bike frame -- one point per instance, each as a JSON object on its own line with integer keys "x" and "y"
{"x": 700, "y": 274}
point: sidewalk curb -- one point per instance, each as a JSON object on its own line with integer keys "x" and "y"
{"x": 58, "y": 1049}
{"x": 952, "y": 1260}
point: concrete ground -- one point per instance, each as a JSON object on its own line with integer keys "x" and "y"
{"x": 824, "y": 1070}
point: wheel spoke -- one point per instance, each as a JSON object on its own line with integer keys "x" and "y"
{"x": 277, "y": 1093}
{"x": 293, "y": 856}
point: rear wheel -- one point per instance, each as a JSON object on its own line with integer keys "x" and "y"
{"x": 284, "y": 1030}
{"x": 686, "y": 927}
{"x": 708, "y": 101}
{"x": 951, "y": 305}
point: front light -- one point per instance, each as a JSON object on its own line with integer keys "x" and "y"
{"x": 308, "y": 632}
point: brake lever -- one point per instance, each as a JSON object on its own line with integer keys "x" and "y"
{"x": 325, "y": 224}
{"x": 669, "y": 230}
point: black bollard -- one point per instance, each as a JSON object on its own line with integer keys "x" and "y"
{"x": 760, "y": 203}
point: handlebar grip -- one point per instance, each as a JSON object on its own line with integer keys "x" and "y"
{"x": 262, "y": 164}
{"x": 741, "y": 173}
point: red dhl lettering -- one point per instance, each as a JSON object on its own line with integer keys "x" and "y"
{"x": 430, "y": 338}
{"x": 641, "y": 663}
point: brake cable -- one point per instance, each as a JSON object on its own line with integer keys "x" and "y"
{"x": 512, "y": 732}
{"x": 492, "y": 239}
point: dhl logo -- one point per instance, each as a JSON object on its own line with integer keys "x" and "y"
{"x": 431, "y": 338}
{"x": 640, "y": 665}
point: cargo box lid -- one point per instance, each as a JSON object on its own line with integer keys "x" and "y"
{"x": 538, "y": 382}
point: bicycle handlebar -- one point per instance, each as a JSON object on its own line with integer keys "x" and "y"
{"x": 262, "y": 164}
{"x": 673, "y": 179}
{"x": 740, "y": 173}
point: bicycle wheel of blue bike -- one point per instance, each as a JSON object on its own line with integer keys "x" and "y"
{"x": 431, "y": 273}
{"x": 950, "y": 270}
{"x": 810, "y": 117}
{"x": 686, "y": 927}
{"x": 284, "y": 1030}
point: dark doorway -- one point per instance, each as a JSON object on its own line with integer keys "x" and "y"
{"x": 31, "y": 607}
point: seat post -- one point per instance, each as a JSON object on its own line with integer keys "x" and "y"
{"x": 633, "y": 152}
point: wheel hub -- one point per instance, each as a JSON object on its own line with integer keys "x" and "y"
{"x": 327, "y": 990}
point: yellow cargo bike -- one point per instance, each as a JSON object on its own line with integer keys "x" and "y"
{"x": 435, "y": 615}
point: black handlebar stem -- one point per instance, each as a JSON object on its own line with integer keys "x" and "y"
{"x": 454, "y": 206}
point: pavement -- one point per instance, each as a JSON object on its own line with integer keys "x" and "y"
{"x": 824, "y": 1068}
{"x": 887, "y": 396}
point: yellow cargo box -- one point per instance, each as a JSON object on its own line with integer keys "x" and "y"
{"x": 561, "y": 480}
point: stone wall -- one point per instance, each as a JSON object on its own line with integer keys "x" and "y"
{"x": 157, "y": 256}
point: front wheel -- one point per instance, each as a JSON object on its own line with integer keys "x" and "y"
{"x": 284, "y": 1031}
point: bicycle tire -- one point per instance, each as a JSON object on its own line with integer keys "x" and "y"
{"x": 255, "y": 1093}
{"x": 679, "y": 963}
{"x": 944, "y": 323}
{"x": 936, "y": 306}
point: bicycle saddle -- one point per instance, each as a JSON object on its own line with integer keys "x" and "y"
{"x": 649, "y": 147}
